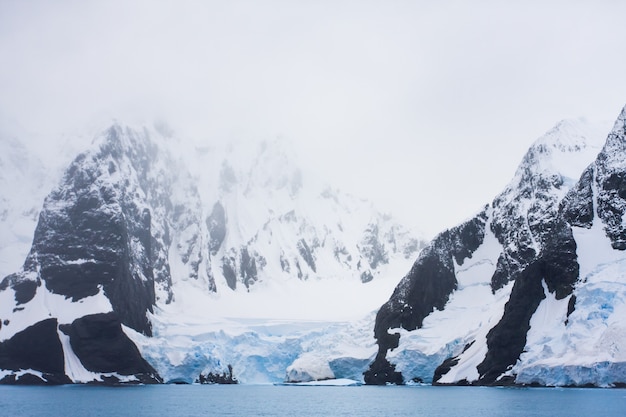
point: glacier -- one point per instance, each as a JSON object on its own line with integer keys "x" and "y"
{"x": 151, "y": 264}
{"x": 192, "y": 261}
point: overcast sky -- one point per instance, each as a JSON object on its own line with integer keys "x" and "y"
{"x": 426, "y": 107}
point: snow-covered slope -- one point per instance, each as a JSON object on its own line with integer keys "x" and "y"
{"x": 269, "y": 221}
{"x": 581, "y": 338}
{"x": 141, "y": 240}
{"x": 527, "y": 291}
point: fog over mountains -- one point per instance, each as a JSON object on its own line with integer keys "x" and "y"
{"x": 152, "y": 260}
{"x": 139, "y": 226}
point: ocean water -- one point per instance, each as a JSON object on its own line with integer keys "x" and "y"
{"x": 268, "y": 400}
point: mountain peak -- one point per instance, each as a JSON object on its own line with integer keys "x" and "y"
{"x": 564, "y": 150}
{"x": 614, "y": 151}
{"x": 620, "y": 123}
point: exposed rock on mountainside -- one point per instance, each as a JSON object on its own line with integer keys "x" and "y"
{"x": 497, "y": 300}
{"x": 132, "y": 226}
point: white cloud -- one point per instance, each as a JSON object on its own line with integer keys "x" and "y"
{"x": 402, "y": 101}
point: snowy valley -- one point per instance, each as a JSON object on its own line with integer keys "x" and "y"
{"x": 152, "y": 263}
{"x": 194, "y": 261}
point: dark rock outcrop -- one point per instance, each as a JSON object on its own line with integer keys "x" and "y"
{"x": 93, "y": 235}
{"x": 102, "y": 347}
{"x": 37, "y": 352}
{"x": 107, "y": 230}
{"x": 225, "y": 378}
{"x": 216, "y": 223}
{"x": 306, "y": 253}
{"x": 425, "y": 288}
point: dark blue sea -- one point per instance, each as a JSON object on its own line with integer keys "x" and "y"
{"x": 267, "y": 400}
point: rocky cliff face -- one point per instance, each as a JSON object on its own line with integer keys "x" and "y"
{"x": 132, "y": 227}
{"x": 472, "y": 307}
{"x": 101, "y": 243}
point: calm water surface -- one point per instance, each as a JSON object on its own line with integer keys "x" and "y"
{"x": 267, "y": 400}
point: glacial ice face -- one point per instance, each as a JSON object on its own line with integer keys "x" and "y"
{"x": 260, "y": 352}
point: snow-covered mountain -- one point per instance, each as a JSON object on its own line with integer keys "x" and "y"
{"x": 149, "y": 265}
{"x": 532, "y": 289}
{"x": 139, "y": 240}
